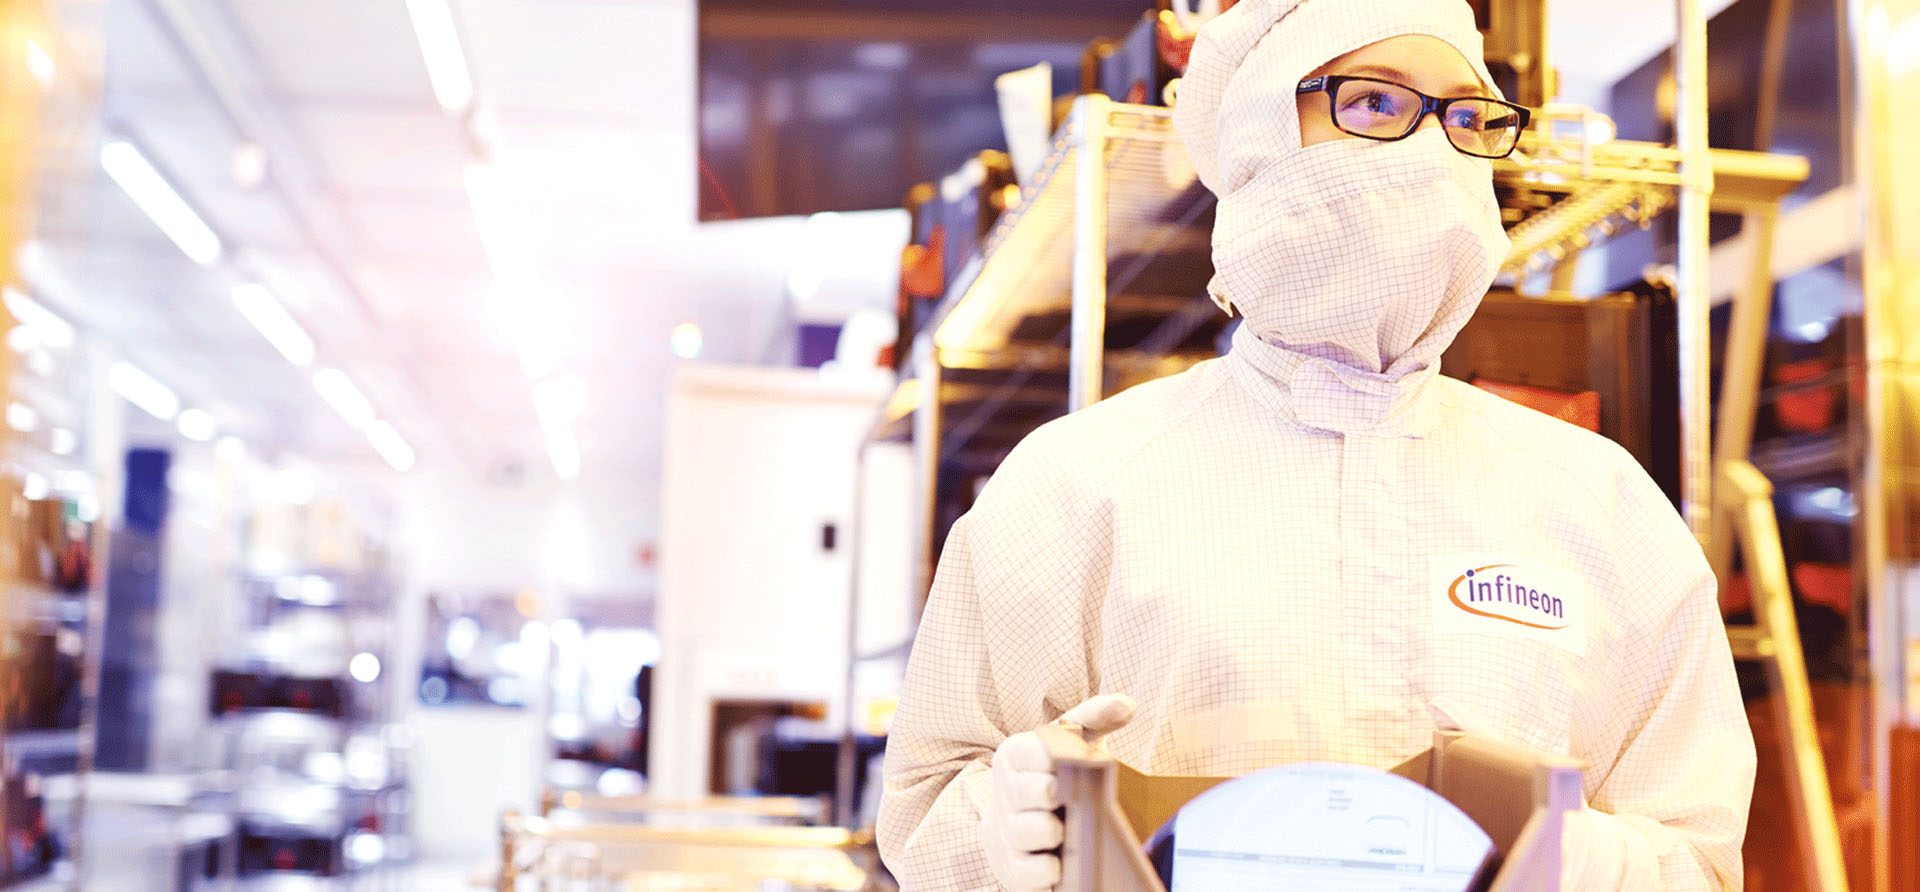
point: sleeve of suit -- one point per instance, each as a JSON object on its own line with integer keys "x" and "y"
{"x": 1673, "y": 801}
{"x": 1001, "y": 649}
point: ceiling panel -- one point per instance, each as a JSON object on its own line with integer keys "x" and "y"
{"x": 390, "y": 230}
{"x": 140, "y": 60}
{"x": 386, "y": 150}
{"x": 605, "y": 61}
{"x": 358, "y": 50}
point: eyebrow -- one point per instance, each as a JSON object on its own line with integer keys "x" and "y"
{"x": 1388, "y": 72}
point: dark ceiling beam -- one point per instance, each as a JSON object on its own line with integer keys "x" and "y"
{"x": 902, "y": 27}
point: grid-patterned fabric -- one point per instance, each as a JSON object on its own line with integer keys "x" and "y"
{"x": 1250, "y": 549}
{"x": 1369, "y": 254}
{"x": 1259, "y": 583}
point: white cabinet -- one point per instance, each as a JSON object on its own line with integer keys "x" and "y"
{"x": 757, "y": 556}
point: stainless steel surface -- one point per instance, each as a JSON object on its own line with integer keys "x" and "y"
{"x": 1693, "y": 295}
{"x": 926, "y": 456}
{"x": 1884, "y": 131}
{"x": 1032, "y": 264}
{"x": 789, "y": 808}
{"x": 848, "y": 751}
{"x": 809, "y": 857}
{"x": 1746, "y": 500}
{"x": 1597, "y": 191}
{"x": 1740, "y": 378}
{"x": 106, "y": 450}
{"x": 1086, "y": 371}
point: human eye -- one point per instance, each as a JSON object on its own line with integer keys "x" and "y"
{"x": 1374, "y": 101}
{"x": 1468, "y": 116}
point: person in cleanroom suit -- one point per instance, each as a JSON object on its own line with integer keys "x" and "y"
{"x": 1315, "y": 547}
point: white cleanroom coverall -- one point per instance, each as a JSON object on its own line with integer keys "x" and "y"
{"x": 1304, "y": 549}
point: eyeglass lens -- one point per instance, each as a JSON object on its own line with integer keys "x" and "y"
{"x": 1386, "y": 111}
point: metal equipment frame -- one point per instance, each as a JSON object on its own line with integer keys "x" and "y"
{"x": 815, "y": 857}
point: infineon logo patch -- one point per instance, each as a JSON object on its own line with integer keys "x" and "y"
{"x": 1496, "y": 595}
{"x": 1500, "y": 595}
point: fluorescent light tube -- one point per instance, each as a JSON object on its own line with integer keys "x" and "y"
{"x": 1903, "y": 47}
{"x": 195, "y": 424}
{"x": 273, "y": 322}
{"x": 346, "y": 399}
{"x": 558, "y": 403}
{"x": 160, "y": 201}
{"x": 39, "y": 64}
{"x": 440, "y": 46}
{"x": 687, "y": 340}
{"x": 22, "y": 417}
{"x": 53, "y": 330}
{"x": 390, "y": 445}
{"x": 139, "y": 388}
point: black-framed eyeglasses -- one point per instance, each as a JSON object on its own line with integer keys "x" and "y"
{"x": 1375, "y": 109}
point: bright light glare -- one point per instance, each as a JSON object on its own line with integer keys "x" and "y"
{"x": 1903, "y": 47}
{"x": 440, "y": 47}
{"x": 1600, "y": 131}
{"x": 293, "y": 486}
{"x": 39, "y": 64}
{"x": 160, "y": 201}
{"x": 36, "y": 486}
{"x": 687, "y": 340}
{"x": 537, "y": 323}
{"x": 62, "y": 441}
{"x": 140, "y": 389}
{"x": 52, "y": 330}
{"x": 22, "y": 417}
{"x": 195, "y": 424}
{"x": 273, "y": 322}
{"x": 491, "y": 217}
{"x": 462, "y": 634}
{"x": 391, "y": 446}
{"x": 338, "y": 390}
{"x": 364, "y": 667}
{"x": 230, "y": 449}
{"x": 558, "y": 403}
{"x": 366, "y": 848}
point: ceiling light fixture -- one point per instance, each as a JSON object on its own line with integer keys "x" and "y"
{"x": 338, "y": 390}
{"x": 139, "y": 388}
{"x": 687, "y": 340}
{"x": 195, "y": 424}
{"x": 1903, "y": 47}
{"x": 440, "y": 46}
{"x": 391, "y": 446}
{"x": 39, "y": 64}
{"x": 558, "y": 403}
{"x": 230, "y": 449}
{"x": 160, "y": 201}
{"x": 495, "y": 219}
{"x": 273, "y": 322}
{"x": 52, "y": 330}
{"x": 22, "y": 417}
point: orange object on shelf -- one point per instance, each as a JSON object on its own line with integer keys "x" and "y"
{"x": 1810, "y": 410}
{"x": 922, "y": 268}
{"x": 1582, "y": 409}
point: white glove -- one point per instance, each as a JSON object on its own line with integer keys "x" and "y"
{"x": 1020, "y": 828}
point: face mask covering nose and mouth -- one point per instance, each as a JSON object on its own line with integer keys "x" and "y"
{"x": 1355, "y": 251}
{"x": 1367, "y": 256}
